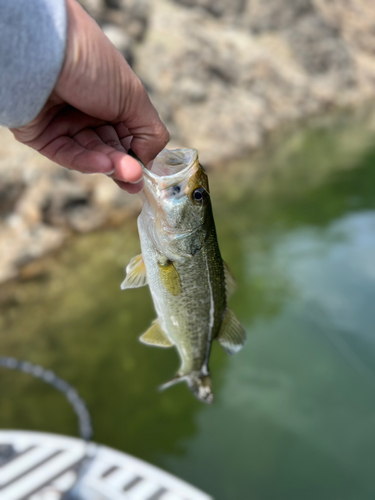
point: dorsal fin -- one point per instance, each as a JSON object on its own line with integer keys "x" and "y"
{"x": 135, "y": 273}
{"x": 155, "y": 335}
{"x": 230, "y": 282}
{"x": 232, "y": 335}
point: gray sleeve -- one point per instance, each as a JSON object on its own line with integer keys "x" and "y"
{"x": 32, "y": 47}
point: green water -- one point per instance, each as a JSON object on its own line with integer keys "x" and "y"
{"x": 294, "y": 414}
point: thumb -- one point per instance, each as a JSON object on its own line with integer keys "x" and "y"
{"x": 148, "y": 133}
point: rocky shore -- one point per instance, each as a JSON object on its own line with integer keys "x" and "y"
{"x": 42, "y": 204}
{"x": 223, "y": 74}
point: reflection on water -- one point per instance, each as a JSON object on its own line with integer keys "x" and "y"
{"x": 294, "y": 416}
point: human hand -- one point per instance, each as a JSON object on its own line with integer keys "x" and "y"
{"x": 97, "y": 111}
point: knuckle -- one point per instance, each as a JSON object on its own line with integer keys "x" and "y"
{"x": 113, "y": 144}
{"x": 163, "y": 135}
{"x": 94, "y": 144}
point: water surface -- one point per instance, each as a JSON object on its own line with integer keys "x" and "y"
{"x": 294, "y": 414}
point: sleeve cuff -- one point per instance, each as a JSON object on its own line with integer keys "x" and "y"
{"x": 32, "y": 49}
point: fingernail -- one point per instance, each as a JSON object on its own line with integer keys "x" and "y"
{"x": 136, "y": 182}
{"x": 110, "y": 173}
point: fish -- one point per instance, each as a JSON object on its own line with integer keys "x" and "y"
{"x": 181, "y": 262}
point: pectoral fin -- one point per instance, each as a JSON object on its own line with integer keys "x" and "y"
{"x": 135, "y": 273}
{"x": 232, "y": 335}
{"x": 170, "y": 278}
{"x": 155, "y": 335}
{"x": 230, "y": 282}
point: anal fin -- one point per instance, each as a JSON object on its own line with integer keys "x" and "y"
{"x": 232, "y": 335}
{"x": 135, "y": 273}
{"x": 155, "y": 335}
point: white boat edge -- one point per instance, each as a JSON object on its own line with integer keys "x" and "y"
{"x": 104, "y": 456}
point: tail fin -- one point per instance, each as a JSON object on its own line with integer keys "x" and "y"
{"x": 199, "y": 384}
{"x": 201, "y": 387}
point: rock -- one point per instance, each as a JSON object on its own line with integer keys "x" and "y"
{"x": 217, "y": 8}
{"x": 319, "y": 49}
{"x": 119, "y": 38}
{"x": 276, "y": 15}
{"x": 21, "y": 245}
{"x": 222, "y": 74}
{"x": 134, "y": 17}
{"x": 69, "y": 205}
{"x": 10, "y": 193}
{"x": 123, "y": 21}
{"x": 315, "y": 40}
{"x": 41, "y": 204}
{"x": 94, "y": 7}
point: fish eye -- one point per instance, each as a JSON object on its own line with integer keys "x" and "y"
{"x": 198, "y": 195}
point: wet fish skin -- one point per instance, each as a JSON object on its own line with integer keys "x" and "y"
{"x": 182, "y": 264}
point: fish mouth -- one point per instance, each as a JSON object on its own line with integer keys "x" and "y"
{"x": 168, "y": 169}
{"x": 172, "y": 162}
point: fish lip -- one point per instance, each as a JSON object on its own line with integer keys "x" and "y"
{"x": 156, "y": 178}
{"x": 155, "y": 183}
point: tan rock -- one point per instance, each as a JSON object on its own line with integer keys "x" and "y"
{"x": 42, "y": 203}
{"x": 224, "y": 73}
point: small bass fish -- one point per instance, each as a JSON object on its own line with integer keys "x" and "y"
{"x": 181, "y": 262}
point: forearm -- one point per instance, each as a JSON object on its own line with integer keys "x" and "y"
{"x": 32, "y": 47}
